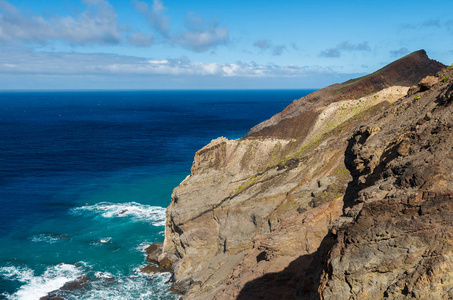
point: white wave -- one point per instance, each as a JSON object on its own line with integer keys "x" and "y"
{"x": 142, "y": 247}
{"x": 106, "y": 240}
{"x": 103, "y": 275}
{"x": 103, "y": 285}
{"x": 137, "y": 286}
{"x": 100, "y": 242}
{"x": 48, "y": 238}
{"x": 35, "y": 287}
{"x": 140, "y": 212}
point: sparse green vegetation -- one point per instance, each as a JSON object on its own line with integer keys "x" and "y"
{"x": 444, "y": 79}
{"x": 298, "y": 152}
{"x": 249, "y": 182}
{"x": 334, "y": 190}
{"x": 289, "y": 203}
{"x": 416, "y": 98}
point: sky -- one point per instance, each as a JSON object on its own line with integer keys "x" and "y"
{"x": 200, "y": 44}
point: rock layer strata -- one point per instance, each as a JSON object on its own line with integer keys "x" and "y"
{"x": 307, "y": 206}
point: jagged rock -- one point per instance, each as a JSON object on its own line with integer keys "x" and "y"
{"x": 153, "y": 251}
{"x": 151, "y": 268}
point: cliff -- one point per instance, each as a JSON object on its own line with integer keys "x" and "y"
{"x": 307, "y": 205}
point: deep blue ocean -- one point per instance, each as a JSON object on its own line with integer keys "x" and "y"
{"x": 85, "y": 178}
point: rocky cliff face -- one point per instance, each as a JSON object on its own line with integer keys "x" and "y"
{"x": 308, "y": 206}
{"x": 399, "y": 243}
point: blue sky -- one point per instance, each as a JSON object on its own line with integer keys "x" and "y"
{"x": 170, "y": 44}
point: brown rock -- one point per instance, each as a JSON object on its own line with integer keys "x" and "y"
{"x": 428, "y": 82}
{"x": 151, "y": 268}
{"x": 413, "y": 90}
{"x": 153, "y": 251}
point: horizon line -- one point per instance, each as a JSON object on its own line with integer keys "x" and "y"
{"x": 148, "y": 90}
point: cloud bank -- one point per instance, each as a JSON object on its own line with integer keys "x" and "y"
{"x": 51, "y": 63}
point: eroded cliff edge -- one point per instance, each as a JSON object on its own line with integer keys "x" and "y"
{"x": 269, "y": 215}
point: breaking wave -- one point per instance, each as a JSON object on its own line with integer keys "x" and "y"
{"x": 136, "y": 211}
{"x": 137, "y": 286}
{"x": 37, "y": 286}
{"x": 77, "y": 282}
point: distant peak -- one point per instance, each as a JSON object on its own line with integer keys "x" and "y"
{"x": 419, "y": 53}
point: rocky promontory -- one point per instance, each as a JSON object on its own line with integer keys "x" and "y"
{"x": 346, "y": 194}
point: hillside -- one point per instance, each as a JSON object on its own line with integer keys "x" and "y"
{"x": 301, "y": 113}
{"x": 352, "y": 175}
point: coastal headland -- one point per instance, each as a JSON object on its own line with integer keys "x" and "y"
{"x": 345, "y": 194}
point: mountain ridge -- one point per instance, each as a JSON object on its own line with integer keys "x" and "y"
{"x": 405, "y": 71}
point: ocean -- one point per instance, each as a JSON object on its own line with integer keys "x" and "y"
{"x": 85, "y": 178}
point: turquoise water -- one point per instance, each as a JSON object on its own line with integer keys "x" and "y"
{"x": 85, "y": 178}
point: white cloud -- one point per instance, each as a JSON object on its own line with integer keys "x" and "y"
{"x": 97, "y": 24}
{"x": 163, "y": 61}
{"x": 50, "y": 63}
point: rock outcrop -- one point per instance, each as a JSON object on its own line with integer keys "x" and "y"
{"x": 400, "y": 242}
{"x": 308, "y": 206}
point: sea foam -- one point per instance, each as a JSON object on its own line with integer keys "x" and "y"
{"x": 103, "y": 285}
{"x": 50, "y": 238}
{"x": 34, "y": 287}
{"x": 136, "y": 211}
{"x": 137, "y": 286}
